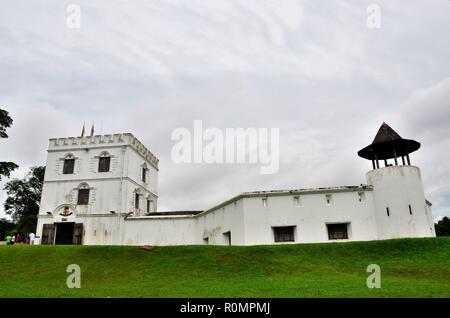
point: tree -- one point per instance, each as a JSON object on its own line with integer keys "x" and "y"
{"x": 5, "y": 227}
{"x": 23, "y": 199}
{"x": 5, "y": 122}
{"x": 443, "y": 227}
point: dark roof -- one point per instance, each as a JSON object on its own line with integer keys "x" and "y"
{"x": 385, "y": 134}
{"x": 388, "y": 144}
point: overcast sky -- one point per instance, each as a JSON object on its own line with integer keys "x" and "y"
{"x": 313, "y": 69}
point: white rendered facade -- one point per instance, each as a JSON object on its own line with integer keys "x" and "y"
{"x": 302, "y": 216}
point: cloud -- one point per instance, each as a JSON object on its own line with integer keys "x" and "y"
{"x": 426, "y": 114}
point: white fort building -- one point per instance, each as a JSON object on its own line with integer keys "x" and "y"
{"x": 104, "y": 190}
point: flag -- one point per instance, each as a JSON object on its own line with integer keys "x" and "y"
{"x": 92, "y": 132}
{"x": 82, "y": 131}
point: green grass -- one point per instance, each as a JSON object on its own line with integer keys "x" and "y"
{"x": 409, "y": 268}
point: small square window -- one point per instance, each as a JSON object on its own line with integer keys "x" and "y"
{"x": 297, "y": 201}
{"x": 264, "y": 202}
{"x": 361, "y": 197}
{"x": 329, "y": 199}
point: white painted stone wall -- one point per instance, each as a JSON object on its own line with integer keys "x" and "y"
{"x": 112, "y": 191}
{"x": 249, "y": 221}
{"x": 397, "y": 187}
{"x": 310, "y": 217}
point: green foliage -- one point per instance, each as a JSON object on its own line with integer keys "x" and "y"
{"x": 23, "y": 199}
{"x": 409, "y": 268}
{"x": 6, "y": 227}
{"x": 5, "y": 122}
{"x": 443, "y": 227}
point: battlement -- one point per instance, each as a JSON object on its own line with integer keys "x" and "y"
{"x": 99, "y": 141}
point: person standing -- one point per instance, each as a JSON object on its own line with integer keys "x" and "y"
{"x": 31, "y": 236}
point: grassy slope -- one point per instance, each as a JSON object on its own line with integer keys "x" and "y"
{"x": 409, "y": 268}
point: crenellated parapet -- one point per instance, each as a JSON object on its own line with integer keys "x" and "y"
{"x": 98, "y": 141}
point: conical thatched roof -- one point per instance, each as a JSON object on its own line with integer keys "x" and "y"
{"x": 385, "y": 133}
{"x": 388, "y": 144}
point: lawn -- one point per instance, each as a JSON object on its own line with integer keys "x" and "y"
{"x": 409, "y": 268}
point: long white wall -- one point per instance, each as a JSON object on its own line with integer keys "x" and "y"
{"x": 310, "y": 217}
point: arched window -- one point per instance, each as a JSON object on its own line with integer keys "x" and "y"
{"x": 104, "y": 162}
{"x": 69, "y": 164}
{"x": 83, "y": 194}
{"x": 144, "y": 173}
{"x": 149, "y": 204}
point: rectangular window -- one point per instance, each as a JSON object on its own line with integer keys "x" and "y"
{"x": 264, "y": 202}
{"x": 83, "y": 197}
{"x": 284, "y": 234}
{"x": 136, "y": 201}
{"x": 361, "y": 197}
{"x": 103, "y": 164}
{"x": 337, "y": 231}
{"x": 148, "y": 206}
{"x": 69, "y": 165}
{"x": 144, "y": 175}
{"x": 297, "y": 201}
{"x": 329, "y": 199}
{"x": 387, "y": 211}
{"x": 410, "y": 209}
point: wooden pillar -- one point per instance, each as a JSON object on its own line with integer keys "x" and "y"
{"x": 403, "y": 160}
{"x": 373, "y": 164}
{"x": 395, "y": 158}
{"x": 376, "y": 160}
{"x": 407, "y": 158}
{"x": 385, "y": 163}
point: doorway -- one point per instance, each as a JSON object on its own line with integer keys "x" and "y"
{"x": 64, "y": 233}
{"x": 227, "y": 238}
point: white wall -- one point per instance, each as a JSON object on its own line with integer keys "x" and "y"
{"x": 109, "y": 191}
{"x": 397, "y": 187}
{"x": 309, "y": 218}
{"x": 160, "y": 231}
{"x": 227, "y": 218}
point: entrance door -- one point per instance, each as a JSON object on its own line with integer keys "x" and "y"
{"x": 48, "y": 234}
{"x": 227, "y": 237}
{"x": 77, "y": 233}
{"x": 64, "y": 233}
